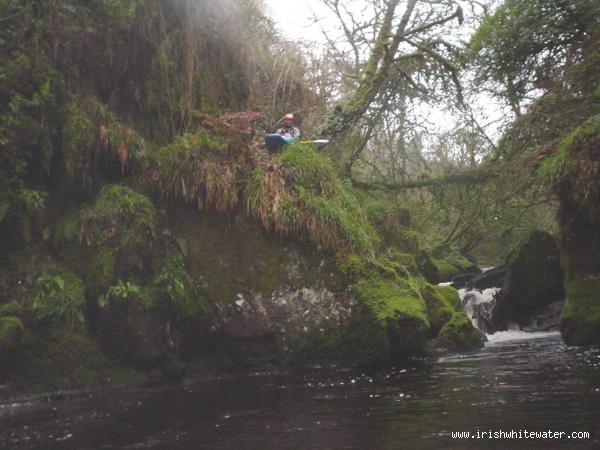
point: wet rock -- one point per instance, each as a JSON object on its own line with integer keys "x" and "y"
{"x": 482, "y": 309}
{"x": 489, "y": 279}
{"x": 136, "y": 335}
{"x": 533, "y": 279}
{"x": 460, "y": 335}
{"x": 547, "y": 320}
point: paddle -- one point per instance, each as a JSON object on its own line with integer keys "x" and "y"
{"x": 316, "y": 141}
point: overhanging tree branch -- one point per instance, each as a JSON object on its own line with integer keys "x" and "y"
{"x": 469, "y": 177}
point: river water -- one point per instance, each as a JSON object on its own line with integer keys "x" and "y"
{"x": 533, "y": 384}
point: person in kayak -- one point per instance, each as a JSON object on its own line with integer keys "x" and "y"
{"x": 288, "y": 128}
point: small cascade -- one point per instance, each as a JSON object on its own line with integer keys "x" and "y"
{"x": 482, "y": 309}
{"x": 479, "y": 306}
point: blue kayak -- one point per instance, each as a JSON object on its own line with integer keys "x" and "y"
{"x": 275, "y": 141}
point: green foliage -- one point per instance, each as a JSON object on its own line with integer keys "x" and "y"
{"x": 573, "y": 167}
{"x": 57, "y": 297}
{"x": 174, "y": 286}
{"x": 523, "y": 36}
{"x": 65, "y": 229}
{"x": 127, "y": 296}
{"x": 121, "y": 218}
{"x": 303, "y": 194}
{"x": 198, "y": 168}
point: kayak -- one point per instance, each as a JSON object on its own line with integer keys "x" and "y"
{"x": 275, "y": 141}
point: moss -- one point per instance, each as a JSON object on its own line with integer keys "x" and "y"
{"x": 388, "y": 301}
{"x": 56, "y": 359}
{"x": 362, "y": 342}
{"x": 406, "y": 261}
{"x": 11, "y": 333}
{"x": 450, "y": 296}
{"x": 400, "y": 311}
{"x": 439, "y": 311}
{"x": 352, "y": 266}
{"x": 436, "y": 270}
{"x": 580, "y": 318}
{"x": 459, "y": 334}
{"x": 572, "y": 167}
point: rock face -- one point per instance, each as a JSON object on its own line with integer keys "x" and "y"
{"x": 580, "y": 254}
{"x": 533, "y": 279}
{"x": 282, "y": 301}
{"x": 573, "y": 170}
{"x": 489, "y": 279}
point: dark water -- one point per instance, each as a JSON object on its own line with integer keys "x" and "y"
{"x": 532, "y": 385}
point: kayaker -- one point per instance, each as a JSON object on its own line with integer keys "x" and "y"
{"x": 288, "y": 128}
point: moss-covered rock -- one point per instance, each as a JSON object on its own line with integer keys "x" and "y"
{"x": 439, "y": 310}
{"x": 55, "y": 359}
{"x": 406, "y": 262}
{"x": 11, "y": 333}
{"x": 534, "y": 278}
{"x": 459, "y": 334}
{"x": 436, "y": 270}
{"x": 580, "y": 318}
{"x": 445, "y": 265}
{"x": 402, "y": 312}
{"x": 450, "y": 296}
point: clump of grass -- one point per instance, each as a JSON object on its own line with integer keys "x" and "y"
{"x": 90, "y": 132}
{"x": 300, "y": 192}
{"x": 197, "y": 169}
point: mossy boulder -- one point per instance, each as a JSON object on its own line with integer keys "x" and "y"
{"x": 400, "y": 312}
{"x": 439, "y": 310}
{"x": 451, "y": 297}
{"x": 534, "y": 278}
{"x": 580, "y": 318}
{"x": 436, "y": 270}
{"x": 459, "y": 334}
{"x": 54, "y": 359}
{"x": 11, "y": 334}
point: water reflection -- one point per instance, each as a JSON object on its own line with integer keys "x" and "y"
{"x": 533, "y": 384}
